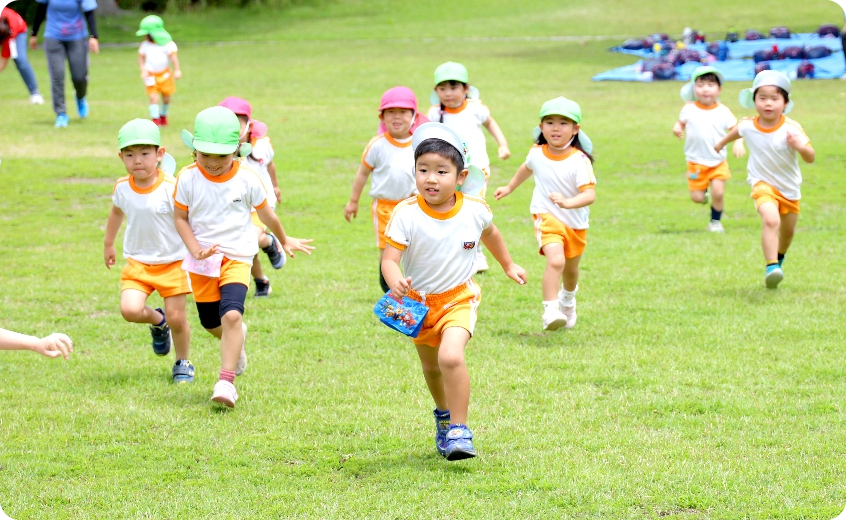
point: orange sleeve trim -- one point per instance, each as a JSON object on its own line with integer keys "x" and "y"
{"x": 365, "y": 163}
{"x": 584, "y": 187}
{"x": 395, "y": 244}
{"x": 263, "y": 204}
{"x": 179, "y": 205}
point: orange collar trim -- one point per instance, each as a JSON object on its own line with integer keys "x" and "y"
{"x": 458, "y": 109}
{"x": 459, "y": 201}
{"x": 566, "y": 155}
{"x": 149, "y": 189}
{"x": 706, "y": 107}
{"x": 398, "y": 144}
{"x": 768, "y": 130}
{"x": 220, "y": 178}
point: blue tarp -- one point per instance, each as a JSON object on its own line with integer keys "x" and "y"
{"x": 746, "y": 49}
{"x": 733, "y": 70}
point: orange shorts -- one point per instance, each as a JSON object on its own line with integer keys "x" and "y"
{"x": 454, "y": 308}
{"x": 699, "y": 176}
{"x": 381, "y": 211}
{"x": 550, "y": 230}
{"x": 763, "y": 192}
{"x": 167, "y": 279}
{"x": 162, "y": 83}
{"x": 208, "y": 289}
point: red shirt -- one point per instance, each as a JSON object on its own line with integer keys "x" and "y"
{"x": 16, "y": 24}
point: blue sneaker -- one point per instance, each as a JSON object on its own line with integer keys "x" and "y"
{"x": 183, "y": 371}
{"x": 277, "y": 259}
{"x": 161, "y": 337}
{"x": 62, "y": 121}
{"x": 459, "y": 443}
{"x": 441, "y": 429}
{"x": 773, "y": 276}
{"x": 82, "y": 108}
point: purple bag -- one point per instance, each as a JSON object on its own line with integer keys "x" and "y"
{"x": 828, "y": 30}
{"x": 814, "y": 53}
{"x": 780, "y": 33}
{"x": 664, "y": 71}
{"x": 766, "y": 55}
{"x": 793, "y": 53}
{"x": 688, "y": 55}
{"x": 805, "y": 70}
{"x": 764, "y": 65}
{"x": 633, "y": 45}
{"x": 752, "y": 34}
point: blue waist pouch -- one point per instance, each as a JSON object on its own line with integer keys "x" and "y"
{"x": 404, "y": 316}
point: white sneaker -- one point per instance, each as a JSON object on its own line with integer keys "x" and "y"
{"x": 570, "y": 314}
{"x": 715, "y": 226}
{"x": 553, "y": 319}
{"x": 481, "y": 264}
{"x": 242, "y": 359}
{"x": 224, "y": 393}
{"x": 36, "y": 99}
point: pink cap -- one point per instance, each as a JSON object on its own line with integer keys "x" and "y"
{"x": 398, "y": 97}
{"x": 257, "y": 129}
{"x": 241, "y": 107}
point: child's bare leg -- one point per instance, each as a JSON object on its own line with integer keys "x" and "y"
{"x": 718, "y": 190}
{"x": 769, "y": 233}
{"x": 786, "y": 230}
{"x": 134, "y": 309}
{"x": 697, "y": 196}
{"x": 256, "y": 270}
{"x": 555, "y": 263}
{"x": 571, "y": 273}
{"x": 432, "y": 373}
{"x": 455, "y": 375}
{"x": 165, "y": 100}
{"x": 231, "y": 339}
{"x": 178, "y": 322}
{"x": 263, "y": 238}
{"x": 154, "y": 98}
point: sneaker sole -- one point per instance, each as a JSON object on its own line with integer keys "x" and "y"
{"x": 556, "y": 324}
{"x": 773, "y": 279}
{"x": 222, "y": 399}
{"x": 460, "y": 455}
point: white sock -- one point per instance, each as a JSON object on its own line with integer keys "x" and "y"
{"x": 568, "y": 297}
{"x": 154, "y": 111}
{"x": 164, "y": 108}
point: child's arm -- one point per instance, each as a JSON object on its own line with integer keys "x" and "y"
{"x": 141, "y": 66}
{"x": 805, "y": 150}
{"x": 289, "y": 244}
{"x": 678, "y": 129}
{"x": 392, "y": 272}
{"x": 585, "y": 198}
{"x": 180, "y": 220}
{"x": 523, "y": 173}
{"x": 738, "y": 150}
{"x": 733, "y": 135}
{"x": 496, "y": 245}
{"x": 351, "y": 209}
{"x": 52, "y": 346}
{"x": 503, "y": 151}
{"x": 271, "y": 170}
{"x": 112, "y": 228}
{"x": 177, "y": 73}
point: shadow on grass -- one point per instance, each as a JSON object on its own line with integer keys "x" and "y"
{"x": 407, "y": 462}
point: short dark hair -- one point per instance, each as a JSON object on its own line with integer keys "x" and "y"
{"x": 783, "y": 93}
{"x": 711, "y": 77}
{"x": 442, "y": 148}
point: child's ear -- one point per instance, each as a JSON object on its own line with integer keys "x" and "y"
{"x": 160, "y": 154}
{"x": 577, "y": 127}
{"x": 462, "y": 175}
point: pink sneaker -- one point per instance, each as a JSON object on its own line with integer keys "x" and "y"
{"x": 225, "y": 393}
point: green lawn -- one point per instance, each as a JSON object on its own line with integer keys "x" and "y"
{"x": 687, "y": 390}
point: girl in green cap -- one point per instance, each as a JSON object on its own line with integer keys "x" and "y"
{"x": 562, "y": 164}
{"x": 155, "y": 56}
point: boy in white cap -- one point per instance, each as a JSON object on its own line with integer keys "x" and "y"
{"x": 390, "y": 158}
{"x": 151, "y": 245}
{"x": 156, "y": 54}
{"x": 456, "y": 104}
{"x": 773, "y": 168}
{"x": 213, "y": 199}
{"x": 702, "y": 122}
{"x": 435, "y": 235}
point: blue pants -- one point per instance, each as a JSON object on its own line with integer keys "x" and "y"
{"x": 23, "y": 65}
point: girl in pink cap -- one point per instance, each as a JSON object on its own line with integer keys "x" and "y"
{"x": 390, "y": 158}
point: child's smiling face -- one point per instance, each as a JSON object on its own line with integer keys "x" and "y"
{"x": 451, "y": 93}
{"x": 398, "y": 121}
{"x": 437, "y": 177}
{"x": 141, "y": 161}
{"x": 215, "y": 164}
{"x": 558, "y": 130}
{"x": 769, "y": 102}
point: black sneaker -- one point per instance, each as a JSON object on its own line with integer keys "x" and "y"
{"x": 161, "y": 337}
{"x": 183, "y": 371}
{"x": 262, "y": 288}
{"x": 277, "y": 259}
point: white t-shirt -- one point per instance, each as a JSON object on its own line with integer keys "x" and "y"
{"x": 392, "y": 162}
{"x": 150, "y": 236}
{"x": 467, "y": 121}
{"x": 438, "y": 249}
{"x": 705, "y": 127}
{"x": 259, "y": 158}
{"x": 770, "y": 159}
{"x": 219, "y": 208}
{"x": 568, "y": 174}
{"x": 157, "y": 57}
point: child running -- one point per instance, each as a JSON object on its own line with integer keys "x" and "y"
{"x": 260, "y": 159}
{"x": 434, "y": 235}
{"x": 461, "y": 109}
{"x": 151, "y": 245}
{"x": 390, "y": 158}
{"x": 213, "y": 199}
{"x": 773, "y": 169}
{"x": 156, "y": 54}
{"x": 702, "y": 122}
{"x": 564, "y": 188}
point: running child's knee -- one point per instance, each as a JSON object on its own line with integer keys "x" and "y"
{"x": 771, "y": 221}
{"x": 450, "y": 360}
{"x": 556, "y": 261}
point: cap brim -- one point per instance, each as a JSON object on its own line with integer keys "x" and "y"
{"x": 188, "y": 139}
{"x": 141, "y": 32}
{"x": 140, "y": 140}
{"x": 687, "y": 93}
{"x": 206, "y": 146}
{"x": 474, "y": 183}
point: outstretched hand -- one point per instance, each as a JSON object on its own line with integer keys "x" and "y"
{"x": 54, "y": 345}
{"x": 202, "y": 254}
{"x": 516, "y": 273}
{"x": 297, "y": 244}
{"x": 502, "y": 191}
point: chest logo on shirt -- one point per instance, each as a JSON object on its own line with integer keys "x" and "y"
{"x": 162, "y": 208}
{"x": 469, "y": 245}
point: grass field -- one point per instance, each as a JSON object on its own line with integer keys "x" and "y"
{"x": 686, "y": 391}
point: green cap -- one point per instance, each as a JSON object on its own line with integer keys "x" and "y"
{"x": 216, "y": 131}
{"x": 139, "y": 131}
{"x": 154, "y": 26}
{"x": 562, "y": 106}
{"x": 451, "y": 71}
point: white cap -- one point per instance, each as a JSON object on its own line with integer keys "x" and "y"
{"x": 442, "y": 132}
{"x": 766, "y": 78}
